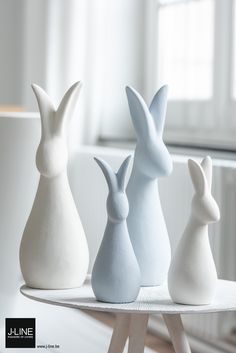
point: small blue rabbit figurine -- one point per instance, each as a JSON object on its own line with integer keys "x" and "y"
{"x": 116, "y": 275}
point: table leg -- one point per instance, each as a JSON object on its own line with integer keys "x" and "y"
{"x": 177, "y": 334}
{"x": 137, "y": 332}
{"x": 120, "y": 333}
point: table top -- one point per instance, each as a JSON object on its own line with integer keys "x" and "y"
{"x": 150, "y": 300}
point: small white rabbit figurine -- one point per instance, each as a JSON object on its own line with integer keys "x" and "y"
{"x": 192, "y": 274}
{"x": 116, "y": 276}
{"x": 53, "y": 251}
{"x": 146, "y": 223}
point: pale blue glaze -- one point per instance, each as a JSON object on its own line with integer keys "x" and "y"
{"x": 146, "y": 223}
{"x": 116, "y": 275}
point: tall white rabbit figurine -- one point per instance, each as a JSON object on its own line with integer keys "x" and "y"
{"x": 192, "y": 274}
{"x": 152, "y": 160}
{"x": 116, "y": 276}
{"x": 53, "y": 251}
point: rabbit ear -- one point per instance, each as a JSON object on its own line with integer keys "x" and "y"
{"x": 46, "y": 108}
{"x": 197, "y": 176}
{"x": 67, "y": 105}
{"x": 122, "y": 173}
{"x": 158, "y": 108}
{"x": 207, "y": 168}
{"x": 141, "y": 117}
{"x": 108, "y": 173}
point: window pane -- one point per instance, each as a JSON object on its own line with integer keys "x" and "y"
{"x": 185, "y": 48}
{"x": 167, "y": 2}
{"x": 234, "y": 51}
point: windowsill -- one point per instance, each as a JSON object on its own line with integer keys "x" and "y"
{"x": 211, "y": 140}
{"x": 181, "y": 147}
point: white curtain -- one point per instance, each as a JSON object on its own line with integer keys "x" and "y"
{"x": 57, "y": 42}
{"x": 56, "y": 47}
{"x": 100, "y": 42}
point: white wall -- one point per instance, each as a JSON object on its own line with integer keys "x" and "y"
{"x": 124, "y": 64}
{"x": 57, "y": 42}
{"x": 11, "y": 57}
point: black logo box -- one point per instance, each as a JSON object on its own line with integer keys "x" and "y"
{"x": 17, "y": 333}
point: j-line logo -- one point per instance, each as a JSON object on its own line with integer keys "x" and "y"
{"x": 20, "y": 333}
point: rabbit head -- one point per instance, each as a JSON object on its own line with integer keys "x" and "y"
{"x": 151, "y": 154}
{"x": 117, "y": 201}
{"x": 204, "y": 206}
{"x": 52, "y": 154}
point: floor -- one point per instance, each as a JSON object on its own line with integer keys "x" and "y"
{"x": 155, "y": 343}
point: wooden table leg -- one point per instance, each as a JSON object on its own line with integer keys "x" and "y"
{"x": 177, "y": 334}
{"x": 120, "y": 333}
{"x": 137, "y": 332}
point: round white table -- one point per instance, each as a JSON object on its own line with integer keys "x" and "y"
{"x": 132, "y": 318}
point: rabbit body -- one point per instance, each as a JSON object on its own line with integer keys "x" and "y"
{"x": 53, "y": 250}
{"x": 192, "y": 275}
{"x": 148, "y": 230}
{"x": 116, "y": 274}
{"x": 146, "y": 223}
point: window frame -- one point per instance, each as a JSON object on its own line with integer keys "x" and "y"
{"x": 208, "y": 123}
{"x": 203, "y": 121}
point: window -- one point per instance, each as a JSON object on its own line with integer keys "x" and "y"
{"x": 195, "y": 41}
{"x": 185, "y": 48}
{"x": 190, "y": 45}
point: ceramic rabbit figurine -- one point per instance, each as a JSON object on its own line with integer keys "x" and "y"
{"x": 116, "y": 276}
{"x": 146, "y": 222}
{"x": 192, "y": 274}
{"x": 53, "y": 250}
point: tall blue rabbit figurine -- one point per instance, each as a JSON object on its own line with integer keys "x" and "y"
{"x": 116, "y": 276}
{"x": 152, "y": 160}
